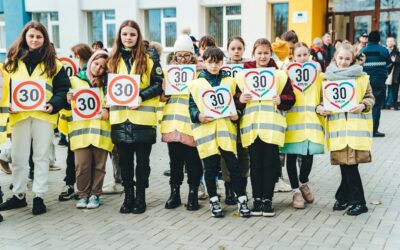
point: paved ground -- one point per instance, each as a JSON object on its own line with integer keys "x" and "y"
{"x": 316, "y": 227}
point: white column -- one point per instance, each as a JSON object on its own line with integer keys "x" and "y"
{"x": 190, "y": 14}
{"x": 72, "y": 25}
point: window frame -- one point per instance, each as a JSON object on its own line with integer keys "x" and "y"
{"x": 163, "y": 21}
{"x": 50, "y": 24}
{"x": 104, "y": 22}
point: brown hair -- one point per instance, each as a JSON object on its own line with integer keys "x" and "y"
{"x": 100, "y": 81}
{"x": 83, "y": 51}
{"x": 290, "y": 36}
{"x": 207, "y": 41}
{"x": 138, "y": 51}
{"x": 237, "y": 38}
{"x": 213, "y": 53}
{"x": 300, "y": 45}
{"x": 47, "y": 51}
{"x": 260, "y": 42}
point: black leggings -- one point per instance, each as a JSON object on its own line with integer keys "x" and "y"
{"x": 305, "y": 169}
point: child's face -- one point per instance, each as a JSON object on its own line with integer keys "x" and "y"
{"x": 183, "y": 57}
{"x": 301, "y": 55}
{"x": 344, "y": 58}
{"x": 262, "y": 54}
{"x": 129, "y": 36}
{"x": 213, "y": 67}
{"x": 98, "y": 67}
{"x": 236, "y": 50}
{"x": 34, "y": 38}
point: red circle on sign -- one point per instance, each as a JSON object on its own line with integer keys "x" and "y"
{"x": 69, "y": 61}
{"x": 97, "y": 99}
{"x": 22, "y": 84}
{"x": 135, "y": 89}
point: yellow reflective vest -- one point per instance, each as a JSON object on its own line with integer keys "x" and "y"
{"x": 220, "y": 133}
{"x": 21, "y": 74}
{"x": 262, "y": 118}
{"x": 347, "y": 129}
{"x": 146, "y": 114}
{"x": 303, "y": 123}
{"x": 94, "y": 132}
{"x": 4, "y": 106}
{"x": 64, "y": 117}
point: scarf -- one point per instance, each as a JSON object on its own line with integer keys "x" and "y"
{"x": 333, "y": 72}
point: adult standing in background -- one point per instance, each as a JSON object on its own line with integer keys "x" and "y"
{"x": 328, "y": 48}
{"x": 376, "y": 66}
{"x": 362, "y": 42}
{"x": 392, "y": 81}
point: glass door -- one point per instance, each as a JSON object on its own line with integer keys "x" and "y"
{"x": 361, "y": 25}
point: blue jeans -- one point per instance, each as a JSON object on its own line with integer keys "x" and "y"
{"x": 389, "y": 96}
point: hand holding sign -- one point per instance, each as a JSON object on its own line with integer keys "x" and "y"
{"x": 302, "y": 76}
{"x": 260, "y": 83}
{"x": 70, "y": 65}
{"x": 339, "y": 96}
{"x": 28, "y": 95}
{"x": 123, "y": 90}
{"x": 177, "y": 77}
{"x": 86, "y": 104}
{"x": 232, "y": 69}
{"x": 218, "y": 102}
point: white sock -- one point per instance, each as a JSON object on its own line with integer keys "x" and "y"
{"x": 242, "y": 198}
{"x": 20, "y": 196}
{"x": 296, "y": 190}
{"x": 40, "y": 195}
{"x": 214, "y": 199}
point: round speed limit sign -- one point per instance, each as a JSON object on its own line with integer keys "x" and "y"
{"x": 86, "y": 104}
{"x": 69, "y": 66}
{"x": 28, "y": 95}
{"x": 123, "y": 90}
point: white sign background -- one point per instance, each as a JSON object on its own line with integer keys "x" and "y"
{"x": 218, "y": 102}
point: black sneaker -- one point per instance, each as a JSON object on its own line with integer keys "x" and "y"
{"x": 357, "y": 209}
{"x": 243, "y": 208}
{"x": 340, "y": 206}
{"x": 67, "y": 194}
{"x": 1, "y": 196}
{"x": 38, "y": 206}
{"x": 12, "y": 203}
{"x": 257, "y": 208}
{"x": 1, "y": 218}
{"x": 268, "y": 210}
{"x": 216, "y": 210}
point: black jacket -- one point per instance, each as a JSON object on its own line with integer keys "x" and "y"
{"x": 396, "y": 64}
{"x": 128, "y": 132}
{"x": 61, "y": 83}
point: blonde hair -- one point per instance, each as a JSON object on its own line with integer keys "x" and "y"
{"x": 345, "y": 47}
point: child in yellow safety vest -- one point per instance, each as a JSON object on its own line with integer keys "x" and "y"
{"x": 32, "y": 58}
{"x": 90, "y": 140}
{"x": 176, "y": 131}
{"x": 215, "y": 137}
{"x": 349, "y": 134}
{"x": 304, "y": 133}
{"x": 263, "y": 128}
{"x": 133, "y": 129}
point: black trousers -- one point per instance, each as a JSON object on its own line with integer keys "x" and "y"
{"x": 181, "y": 155}
{"x": 70, "y": 175}
{"x": 211, "y": 166}
{"x": 264, "y": 165}
{"x": 305, "y": 169}
{"x": 126, "y": 154}
{"x": 395, "y": 92}
{"x": 351, "y": 188}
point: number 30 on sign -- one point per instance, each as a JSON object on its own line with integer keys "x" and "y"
{"x": 218, "y": 102}
{"x": 86, "y": 104}
{"x": 28, "y": 95}
{"x": 339, "y": 96}
{"x": 123, "y": 90}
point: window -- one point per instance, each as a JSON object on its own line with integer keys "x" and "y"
{"x": 351, "y": 5}
{"x": 279, "y": 19}
{"x": 224, "y": 22}
{"x": 389, "y": 25}
{"x": 388, "y": 4}
{"x": 161, "y": 26}
{"x": 50, "y": 21}
{"x": 101, "y": 27}
{"x": 2, "y": 34}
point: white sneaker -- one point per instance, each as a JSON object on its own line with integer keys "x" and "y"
{"x": 94, "y": 202}
{"x": 82, "y": 203}
{"x": 282, "y": 186}
{"x": 113, "y": 188}
{"x": 202, "y": 191}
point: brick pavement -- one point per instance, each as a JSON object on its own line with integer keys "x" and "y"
{"x": 316, "y": 227}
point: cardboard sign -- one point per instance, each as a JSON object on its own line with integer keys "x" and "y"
{"x": 302, "y": 75}
{"x": 232, "y": 69}
{"x": 218, "y": 102}
{"x": 260, "y": 83}
{"x": 86, "y": 104}
{"x": 28, "y": 95}
{"x": 70, "y": 65}
{"x": 123, "y": 90}
{"x": 339, "y": 96}
{"x": 177, "y": 77}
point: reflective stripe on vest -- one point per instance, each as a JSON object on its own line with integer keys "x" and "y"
{"x": 266, "y": 126}
{"x": 141, "y": 108}
{"x": 178, "y": 100}
{"x": 212, "y": 137}
{"x": 94, "y": 131}
{"x": 3, "y": 128}
{"x": 66, "y": 118}
{"x": 349, "y": 116}
{"x": 176, "y": 117}
{"x": 302, "y": 109}
{"x": 3, "y": 110}
{"x": 262, "y": 107}
{"x": 305, "y": 126}
{"x": 343, "y": 133}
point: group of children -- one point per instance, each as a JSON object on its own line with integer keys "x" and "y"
{"x": 293, "y": 122}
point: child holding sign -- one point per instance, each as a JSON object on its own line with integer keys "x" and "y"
{"x": 216, "y": 137}
{"x": 90, "y": 137}
{"x": 31, "y": 61}
{"x": 349, "y": 134}
{"x": 177, "y": 132}
{"x": 304, "y": 133}
{"x": 263, "y": 128}
{"x": 133, "y": 129}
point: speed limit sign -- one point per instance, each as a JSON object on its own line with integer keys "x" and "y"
{"x": 123, "y": 90}
{"x": 70, "y": 65}
{"x": 28, "y": 95}
{"x": 86, "y": 104}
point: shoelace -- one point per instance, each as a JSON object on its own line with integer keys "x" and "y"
{"x": 216, "y": 206}
{"x": 244, "y": 206}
